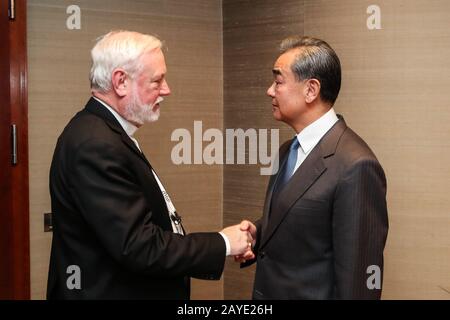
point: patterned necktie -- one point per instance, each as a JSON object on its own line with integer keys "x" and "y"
{"x": 288, "y": 169}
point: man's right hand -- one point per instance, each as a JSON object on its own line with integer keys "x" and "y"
{"x": 240, "y": 240}
{"x": 248, "y": 255}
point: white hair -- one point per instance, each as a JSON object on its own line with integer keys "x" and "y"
{"x": 118, "y": 49}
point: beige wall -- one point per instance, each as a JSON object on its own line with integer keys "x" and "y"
{"x": 58, "y": 87}
{"x": 394, "y": 94}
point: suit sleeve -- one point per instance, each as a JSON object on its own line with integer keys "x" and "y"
{"x": 360, "y": 226}
{"x": 112, "y": 203}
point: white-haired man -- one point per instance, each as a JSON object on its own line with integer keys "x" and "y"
{"x": 116, "y": 234}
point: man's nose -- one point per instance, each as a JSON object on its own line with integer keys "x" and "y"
{"x": 271, "y": 91}
{"x": 165, "y": 90}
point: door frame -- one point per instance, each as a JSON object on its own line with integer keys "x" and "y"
{"x": 14, "y": 184}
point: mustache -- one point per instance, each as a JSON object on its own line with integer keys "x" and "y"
{"x": 159, "y": 100}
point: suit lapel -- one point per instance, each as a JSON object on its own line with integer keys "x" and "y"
{"x": 95, "y": 107}
{"x": 310, "y": 170}
{"x": 306, "y": 175}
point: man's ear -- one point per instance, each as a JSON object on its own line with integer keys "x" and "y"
{"x": 120, "y": 82}
{"x": 312, "y": 90}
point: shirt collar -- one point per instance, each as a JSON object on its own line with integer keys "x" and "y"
{"x": 312, "y": 134}
{"x": 129, "y": 128}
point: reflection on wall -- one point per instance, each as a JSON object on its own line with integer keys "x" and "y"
{"x": 252, "y": 31}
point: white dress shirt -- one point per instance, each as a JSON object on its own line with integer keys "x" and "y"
{"x": 310, "y": 136}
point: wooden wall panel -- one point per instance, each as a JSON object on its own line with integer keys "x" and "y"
{"x": 59, "y": 63}
{"x": 6, "y": 230}
{"x": 14, "y": 227}
{"x": 19, "y": 177}
{"x": 252, "y": 32}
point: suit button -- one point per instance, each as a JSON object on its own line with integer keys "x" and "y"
{"x": 262, "y": 254}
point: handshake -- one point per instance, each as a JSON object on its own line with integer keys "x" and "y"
{"x": 242, "y": 238}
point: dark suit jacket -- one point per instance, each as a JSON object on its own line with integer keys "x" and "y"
{"x": 329, "y": 223}
{"x": 110, "y": 219}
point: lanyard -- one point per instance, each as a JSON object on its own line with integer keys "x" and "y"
{"x": 175, "y": 219}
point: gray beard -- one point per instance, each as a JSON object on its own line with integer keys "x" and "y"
{"x": 139, "y": 113}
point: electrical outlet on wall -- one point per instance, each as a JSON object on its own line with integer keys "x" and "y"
{"x": 48, "y": 226}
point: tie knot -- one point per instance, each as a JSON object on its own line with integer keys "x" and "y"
{"x": 295, "y": 144}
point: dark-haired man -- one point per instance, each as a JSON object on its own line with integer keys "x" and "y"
{"x": 325, "y": 223}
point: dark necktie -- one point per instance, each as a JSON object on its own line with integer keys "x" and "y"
{"x": 288, "y": 169}
{"x": 286, "y": 172}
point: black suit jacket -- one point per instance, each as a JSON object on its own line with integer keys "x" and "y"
{"x": 110, "y": 219}
{"x": 321, "y": 232}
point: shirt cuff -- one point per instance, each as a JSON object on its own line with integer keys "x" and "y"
{"x": 227, "y": 243}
